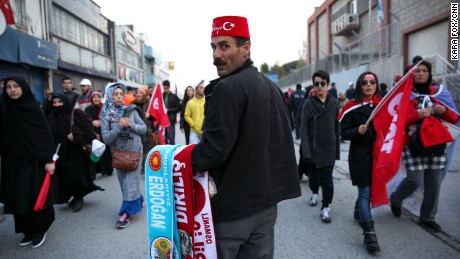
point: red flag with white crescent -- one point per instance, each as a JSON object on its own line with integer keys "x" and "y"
{"x": 157, "y": 109}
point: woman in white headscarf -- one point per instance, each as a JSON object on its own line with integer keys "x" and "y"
{"x": 122, "y": 129}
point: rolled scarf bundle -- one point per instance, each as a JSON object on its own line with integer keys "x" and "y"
{"x": 178, "y": 205}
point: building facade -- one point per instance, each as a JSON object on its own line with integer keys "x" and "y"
{"x": 85, "y": 43}
{"x": 45, "y": 41}
{"x": 25, "y": 49}
{"x": 348, "y": 37}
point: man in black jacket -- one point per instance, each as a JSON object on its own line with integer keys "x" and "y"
{"x": 172, "y": 104}
{"x": 67, "y": 90}
{"x": 296, "y": 103}
{"x": 319, "y": 138}
{"x": 246, "y": 145}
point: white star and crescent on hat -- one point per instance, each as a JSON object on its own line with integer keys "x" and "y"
{"x": 230, "y": 24}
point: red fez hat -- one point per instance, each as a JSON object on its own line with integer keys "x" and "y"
{"x": 230, "y": 26}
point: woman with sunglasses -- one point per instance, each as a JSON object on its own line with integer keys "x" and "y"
{"x": 353, "y": 119}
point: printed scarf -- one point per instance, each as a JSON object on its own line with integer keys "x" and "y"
{"x": 178, "y": 205}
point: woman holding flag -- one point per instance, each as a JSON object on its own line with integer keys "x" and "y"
{"x": 424, "y": 144}
{"x": 122, "y": 128}
{"x": 27, "y": 153}
{"x": 71, "y": 128}
{"x": 353, "y": 119}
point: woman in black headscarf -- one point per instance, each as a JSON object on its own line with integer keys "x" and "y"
{"x": 72, "y": 167}
{"x": 424, "y": 164}
{"x": 27, "y": 151}
{"x": 104, "y": 165}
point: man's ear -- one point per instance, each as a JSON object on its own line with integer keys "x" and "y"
{"x": 246, "y": 47}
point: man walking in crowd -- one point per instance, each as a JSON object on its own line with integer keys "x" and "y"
{"x": 296, "y": 103}
{"x": 350, "y": 92}
{"x": 194, "y": 113}
{"x": 67, "y": 90}
{"x": 84, "y": 99}
{"x": 320, "y": 145}
{"x": 172, "y": 104}
{"x": 246, "y": 145}
{"x": 333, "y": 90}
{"x": 151, "y": 88}
{"x": 47, "y": 103}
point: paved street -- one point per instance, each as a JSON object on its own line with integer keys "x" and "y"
{"x": 300, "y": 233}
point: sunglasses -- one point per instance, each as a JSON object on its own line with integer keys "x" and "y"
{"x": 372, "y": 82}
{"x": 323, "y": 83}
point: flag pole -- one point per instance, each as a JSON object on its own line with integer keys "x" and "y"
{"x": 390, "y": 93}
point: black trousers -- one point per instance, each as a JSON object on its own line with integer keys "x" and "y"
{"x": 321, "y": 176}
{"x": 35, "y": 223}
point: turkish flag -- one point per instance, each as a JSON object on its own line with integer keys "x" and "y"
{"x": 390, "y": 124}
{"x": 157, "y": 107}
{"x": 157, "y": 110}
{"x": 7, "y": 11}
{"x": 41, "y": 199}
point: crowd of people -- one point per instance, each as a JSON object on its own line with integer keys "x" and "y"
{"x": 241, "y": 124}
{"x": 326, "y": 119}
{"x": 31, "y": 134}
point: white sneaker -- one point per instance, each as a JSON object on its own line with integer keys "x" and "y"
{"x": 313, "y": 200}
{"x": 325, "y": 215}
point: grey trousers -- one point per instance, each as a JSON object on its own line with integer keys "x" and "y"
{"x": 431, "y": 179}
{"x": 250, "y": 237}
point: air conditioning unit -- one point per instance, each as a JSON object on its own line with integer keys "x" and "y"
{"x": 352, "y": 19}
{"x": 344, "y": 24}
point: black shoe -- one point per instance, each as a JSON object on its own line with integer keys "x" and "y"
{"x": 431, "y": 225}
{"x": 78, "y": 205}
{"x": 25, "y": 241}
{"x": 38, "y": 240}
{"x": 396, "y": 211}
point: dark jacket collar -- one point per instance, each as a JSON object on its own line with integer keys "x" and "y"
{"x": 210, "y": 87}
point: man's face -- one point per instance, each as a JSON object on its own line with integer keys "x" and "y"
{"x": 200, "y": 90}
{"x": 227, "y": 56}
{"x": 320, "y": 86}
{"x": 67, "y": 84}
{"x": 167, "y": 89}
{"x": 85, "y": 89}
{"x": 151, "y": 90}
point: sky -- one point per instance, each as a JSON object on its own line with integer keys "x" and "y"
{"x": 181, "y": 30}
